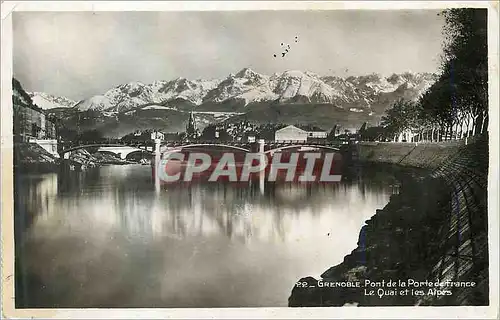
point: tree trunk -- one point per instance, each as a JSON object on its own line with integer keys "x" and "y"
{"x": 474, "y": 124}
{"x": 461, "y": 132}
{"x": 471, "y": 125}
{"x": 484, "y": 121}
{"x": 466, "y": 127}
{"x": 467, "y": 120}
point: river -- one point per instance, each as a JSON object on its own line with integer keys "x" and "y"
{"x": 104, "y": 238}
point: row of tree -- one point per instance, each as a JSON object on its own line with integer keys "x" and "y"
{"x": 456, "y": 105}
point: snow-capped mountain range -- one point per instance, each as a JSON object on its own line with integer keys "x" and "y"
{"x": 356, "y": 93}
{"x": 48, "y": 101}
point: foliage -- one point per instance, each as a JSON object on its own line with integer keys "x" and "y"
{"x": 373, "y": 134}
{"x": 462, "y": 87}
{"x": 403, "y": 115}
{"x": 461, "y": 92}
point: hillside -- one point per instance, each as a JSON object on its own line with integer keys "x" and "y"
{"x": 324, "y": 116}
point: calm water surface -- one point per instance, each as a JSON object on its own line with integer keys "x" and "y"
{"x": 104, "y": 238}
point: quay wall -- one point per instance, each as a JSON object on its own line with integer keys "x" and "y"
{"x": 435, "y": 229}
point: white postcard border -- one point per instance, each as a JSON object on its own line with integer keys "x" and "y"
{"x": 8, "y": 309}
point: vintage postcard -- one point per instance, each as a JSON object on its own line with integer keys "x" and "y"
{"x": 250, "y": 159}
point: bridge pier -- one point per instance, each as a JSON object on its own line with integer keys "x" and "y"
{"x": 262, "y": 159}
{"x": 157, "y": 165}
{"x": 64, "y": 156}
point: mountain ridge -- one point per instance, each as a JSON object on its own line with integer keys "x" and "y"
{"x": 48, "y": 101}
{"x": 247, "y": 86}
{"x": 292, "y": 96}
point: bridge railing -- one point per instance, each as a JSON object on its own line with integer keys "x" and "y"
{"x": 247, "y": 143}
{"x": 72, "y": 145}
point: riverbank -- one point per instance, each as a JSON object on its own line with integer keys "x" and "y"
{"x": 421, "y": 155}
{"x": 30, "y": 157}
{"x": 435, "y": 229}
{"x": 84, "y": 158}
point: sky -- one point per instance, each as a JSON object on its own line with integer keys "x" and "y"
{"x": 81, "y": 54}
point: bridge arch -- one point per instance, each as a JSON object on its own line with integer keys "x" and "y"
{"x": 105, "y": 145}
{"x": 134, "y": 152}
{"x": 108, "y": 152}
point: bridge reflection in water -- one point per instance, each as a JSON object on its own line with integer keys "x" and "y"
{"x": 328, "y": 157}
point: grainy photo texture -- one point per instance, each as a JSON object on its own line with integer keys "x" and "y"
{"x": 251, "y": 158}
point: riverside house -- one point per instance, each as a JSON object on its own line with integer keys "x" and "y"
{"x": 31, "y": 124}
{"x": 299, "y": 134}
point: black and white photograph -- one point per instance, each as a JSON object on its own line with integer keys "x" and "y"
{"x": 286, "y": 157}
